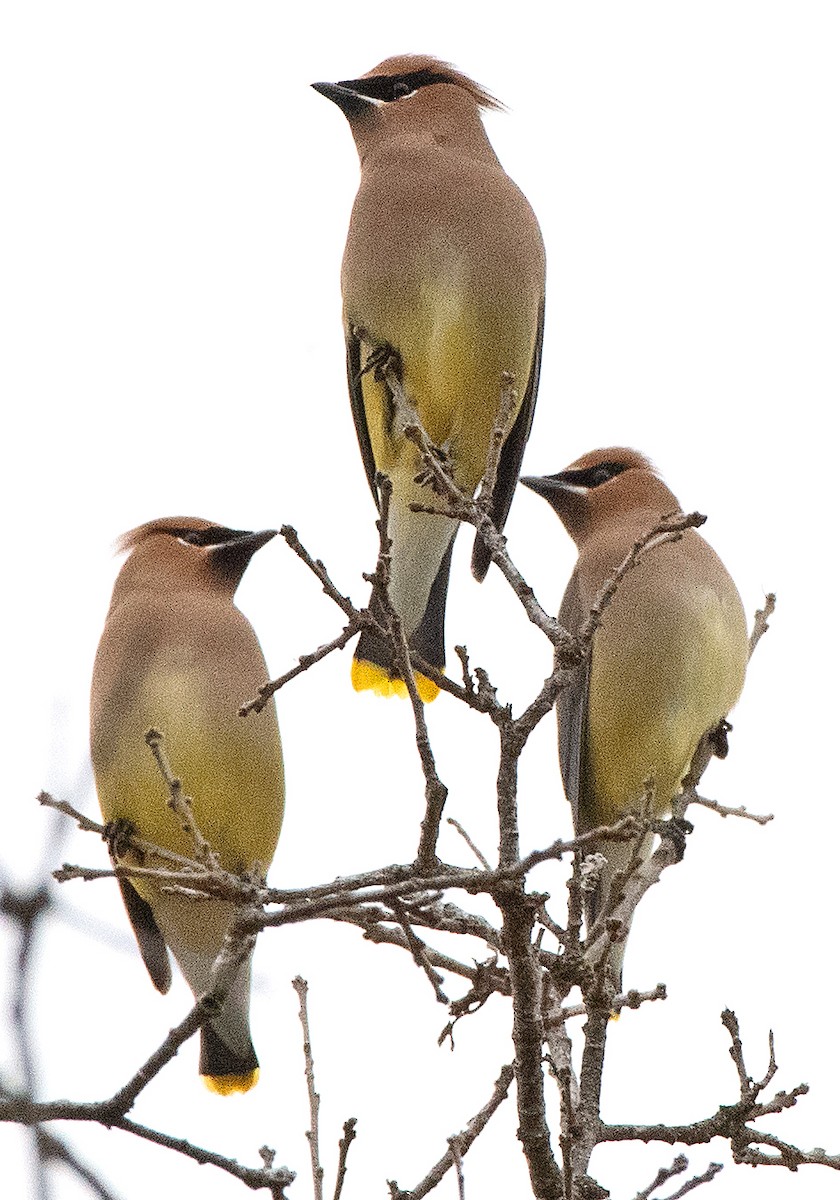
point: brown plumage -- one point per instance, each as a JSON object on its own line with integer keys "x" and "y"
{"x": 177, "y": 655}
{"x": 667, "y": 663}
{"x": 444, "y": 269}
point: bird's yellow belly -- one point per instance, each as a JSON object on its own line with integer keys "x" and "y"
{"x": 653, "y": 694}
{"x": 234, "y": 780}
{"x": 454, "y": 353}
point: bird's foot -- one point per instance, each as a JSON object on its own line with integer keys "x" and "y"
{"x": 719, "y": 739}
{"x": 119, "y": 835}
{"x": 383, "y": 360}
{"x": 676, "y": 830}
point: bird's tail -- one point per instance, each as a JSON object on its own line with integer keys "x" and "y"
{"x": 606, "y": 896}
{"x": 369, "y": 676}
{"x": 373, "y": 662}
{"x": 227, "y": 1062}
{"x": 223, "y": 1069}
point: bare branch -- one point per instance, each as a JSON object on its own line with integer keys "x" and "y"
{"x": 84, "y": 823}
{"x": 679, "y": 1165}
{"x": 23, "y": 1111}
{"x": 391, "y": 904}
{"x": 762, "y": 621}
{"x": 740, "y": 811}
{"x": 357, "y": 620}
{"x": 733, "y": 1121}
{"x": 302, "y": 988}
{"x": 465, "y": 508}
{"x": 188, "y": 870}
{"x": 305, "y": 661}
{"x": 343, "y": 1151}
{"x": 53, "y": 1149}
{"x": 690, "y": 1184}
{"x": 457, "y": 825}
{"x": 508, "y": 399}
{"x": 632, "y": 1000}
{"x": 458, "y": 1164}
{"x": 518, "y": 912}
{"x": 462, "y": 1140}
{"x": 181, "y": 804}
{"x": 669, "y": 529}
{"x": 436, "y": 790}
{"x": 236, "y": 948}
{"x": 419, "y": 952}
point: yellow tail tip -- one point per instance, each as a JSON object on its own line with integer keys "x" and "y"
{"x": 229, "y": 1085}
{"x": 368, "y": 677}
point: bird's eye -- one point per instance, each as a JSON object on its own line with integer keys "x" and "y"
{"x": 603, "y": 472}
{"x": 216, "y": 535}
{"x": 401, "y": 89}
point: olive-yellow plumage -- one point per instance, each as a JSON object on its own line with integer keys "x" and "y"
{"x": 178, "y": 656}
{"x": 444, "y": 272}
{"x": 667, "y": 663}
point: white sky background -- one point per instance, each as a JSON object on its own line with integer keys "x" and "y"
{"x": 174, "y": 207}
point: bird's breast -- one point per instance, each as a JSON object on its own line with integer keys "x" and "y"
{"x": 444, "y": 263}
{"x": 662, "y": 675}
{"x": 231, "y": 768}
{"x": 455, "y": 343}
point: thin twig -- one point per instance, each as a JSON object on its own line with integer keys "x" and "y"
{"x": 632, "y": 1000}
{"x": 559, "y": 1046}
{"x": 52, "y": 1149}
{"x": 357, "y": 619}
{"x": 180, "y": 803}
{"x": 669, "y": 529}
{"x": 508, "y": 397}
{"x": 27, "y": 910}
{"x": 236, "y": 949}
{"x": 464, "y": 508}
{"x": 343, "y": 1151}
{"x": 762, "y": 621}
{"x": 302, "y": 988}
{"x": 86, "y": 824}
{"x": 144, "y": 848}
{"x": 436, "y": 790}
{"x": 734, "y": 1121}
{"x": 677, "y": 1167}
{"x": 723, "y": 811}
{"x": 458, "y": 1164}
{"x": 690, "y": 1184}
{"x": 419, "y": 952}
{"x": 305, "y": 661}
{"x": 457, "y": 825}
{"x": 464, "y": 1140}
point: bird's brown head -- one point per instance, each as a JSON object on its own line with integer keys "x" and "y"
{"x": 187, "y": 552}
{"x": 601, "y": 488}
{"x": 409, "y": 92}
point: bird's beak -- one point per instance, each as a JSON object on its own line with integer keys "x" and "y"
{"x": 233, "y": 557}
{"x": 549, "y": 485}
{"x": 351, "y": 103}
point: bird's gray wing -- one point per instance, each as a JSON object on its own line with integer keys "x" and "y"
{"x": 149, "y": 937}
{"x": 572, "y": 707}
{"x": 510, "y": 461}
{"x": 355, "y": 367}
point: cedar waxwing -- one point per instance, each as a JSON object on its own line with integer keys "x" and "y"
{"x": 443, "y": 274}
{"x": 666, "y": 665}
{"x": 178, "y": 656}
